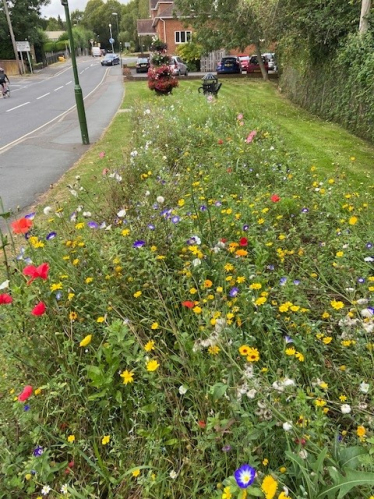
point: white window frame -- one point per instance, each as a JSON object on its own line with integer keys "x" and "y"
{"x": 178, "y": 35}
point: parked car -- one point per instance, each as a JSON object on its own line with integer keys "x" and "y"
{"x": 243, "y": 60}
{"x": 252, "y": 66}
{"x": 142, "y": 65}
{"x": 177, "y": 66}
{"x": 229, "y": 64}
{"x": 110, "y": 60}
{"x": 270, "y": 57}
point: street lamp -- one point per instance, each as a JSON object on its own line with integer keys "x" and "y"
{"x": 77, "y": 88}
{"x": 116, "y": 14}
{"x": 111, "y": 38}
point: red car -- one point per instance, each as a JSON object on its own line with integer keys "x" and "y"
{"x": 252, "y": 65}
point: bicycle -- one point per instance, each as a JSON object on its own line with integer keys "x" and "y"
{"x": 5, "y": 91}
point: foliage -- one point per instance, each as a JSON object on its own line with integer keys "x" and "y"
{"x": 217, "y": 303}
{"x": 190, "y": 52}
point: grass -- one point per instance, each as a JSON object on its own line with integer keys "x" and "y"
{"x": 203, "y": 288}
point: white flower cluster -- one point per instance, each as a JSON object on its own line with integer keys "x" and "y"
{"x": 213, "y": 339}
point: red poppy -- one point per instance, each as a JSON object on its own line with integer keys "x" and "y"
{"x": 25, "y": 394}
{"x": 39, "y": 309}
{"x": 35, "y": 272}
{"x": 243, "y": 241}
{"x": 220, "y": 141}
{"x": 275, "y": 198}
{"x": 5, "y": 299}
{"x": 188, "y": 304}
{"x": 21, "y": 226}
{"x": 68, "y": 469}
{"x": 223, "y": 240}
{"x": 202, "y": 424}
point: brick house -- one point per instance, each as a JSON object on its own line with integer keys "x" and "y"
{"x": 166, "y": 23}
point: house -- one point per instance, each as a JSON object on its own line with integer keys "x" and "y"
{"x": 166, "y": 23}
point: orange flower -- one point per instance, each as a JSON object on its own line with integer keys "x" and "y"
{"x": 21, "y": 226}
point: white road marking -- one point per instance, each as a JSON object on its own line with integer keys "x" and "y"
{"x": 41, "y": 97}
{"x": 68, "y": 83}
{"x": 58, "y": 88}
{"x": 60, "y": 116}
{"x": 13, "y": 108}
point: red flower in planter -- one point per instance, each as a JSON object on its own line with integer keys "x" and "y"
{"x": 35, "y": 272}
{"x": 39, "y": 309}
{"x": 5, "y": 299}
{"x": 25, "y": 394}
{"x": 21, "y": 226}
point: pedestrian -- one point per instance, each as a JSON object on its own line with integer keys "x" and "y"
{"x": 3, "y": 79}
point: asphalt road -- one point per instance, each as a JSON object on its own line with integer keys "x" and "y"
{"x": 40, "y": 136}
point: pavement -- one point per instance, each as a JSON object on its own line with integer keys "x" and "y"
{"x": 51, "y": 151}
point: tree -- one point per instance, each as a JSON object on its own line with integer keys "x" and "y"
{"x": 364, "y": 17}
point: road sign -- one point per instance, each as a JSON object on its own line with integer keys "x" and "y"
{"x": 111, "y": 40}
{"x": 23, "y": 46}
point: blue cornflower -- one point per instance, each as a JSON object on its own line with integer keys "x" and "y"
{"x": 245, "y": 476}
{"x": 138, "y": 244}
{"x": 51, "y": 235}
{"x": 38, "y": 451}
{"x": 26, "y": 407}
{"x": 233, "y": 292}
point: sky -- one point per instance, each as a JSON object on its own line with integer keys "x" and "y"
{"x": 55, "y": 9}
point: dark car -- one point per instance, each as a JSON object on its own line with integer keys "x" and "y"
{"x": 252, "y": 65}
{"x": 229, "y": 64}
{"x": 110, "y": 60}
{"x": 142, "y": 65}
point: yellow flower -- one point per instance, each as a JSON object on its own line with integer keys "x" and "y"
{"x": 300, "y": 357}
{"x": 214, "y": 350}
{"x": 105, "y": 439}
{"x": 73, "y": 316}
{"x": 128, "y": 377}
{"x": 226, "y": 494}
{"x": 283, "y": 469}
{"x": 155, "y": 325}
{"x": 337, "y": 305}
{"x": 197, "y": 310}
{"x": 79, "y": 225}
{"x": 260, "y": 301}
{"x": 28, "y": 476}
{"x": 86, "y": 341}
{"x": 339, "y": 254}
{"x": 148, "y": 347}
{"x": 152, "y": 365}
{"x": 361, "y": 431}
{"x": 353, "y": 221}
{"x": 38, "y": 391}
{"x": 89, "y": 279}
{"x": 255, "y": 285}
{"x": 193, "y": 291}
{"x": 244, "y": 350}
{"x": 56, "y": 286}
{"x": 100, "y": 319}
{"x": 137, "y": 294}
{"x": 136, "y": 473}
{"x": 342, "y": 398}
{"x": 283, "y": 495}
{"x": 265, "y": 461}
{"x": 253, "y": 355}
{"x": 327, "y": 339}
{"x": 71, "y": 439}
{"x": 269, "y": 486}
{"x": 125, "y": 232}
{"x": 290, "y": 351}
{"x": 208, "y": 283}
{"x": 71, "y": 296}
{"x": 320, "y": 402}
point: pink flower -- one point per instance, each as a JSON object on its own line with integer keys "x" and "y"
{"x": 39, "y": 309}
{"x": 251, "y": 136}
{"x": 240, "y": 117}
{"x": 101, "y": 154}
{"x": 35, "y": 272}
{"x": 275, "y": 198}
{"x": 105, "y": 171}
{"x": 25, "y": 394}
{"x": 5, "y": 299}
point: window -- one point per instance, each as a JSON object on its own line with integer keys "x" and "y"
{"x": 182, "y": 36}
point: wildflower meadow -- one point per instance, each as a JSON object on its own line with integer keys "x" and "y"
{"x": 202, "y": 329}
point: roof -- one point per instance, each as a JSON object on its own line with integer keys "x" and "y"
{"x": 144, "y": 27}
{"x": 54, "y": 35}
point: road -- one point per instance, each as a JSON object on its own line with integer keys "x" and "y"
{"x": 40, "y": 137}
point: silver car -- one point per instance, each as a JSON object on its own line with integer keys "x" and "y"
{"x": 177, "y": 66}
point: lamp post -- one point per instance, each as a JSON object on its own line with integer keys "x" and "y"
{"x": 111, "y": 38}
{"x": 77, "y": 88}
{"x": 116, "y": 14}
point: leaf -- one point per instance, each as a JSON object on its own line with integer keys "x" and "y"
{"x": 5, "y": 215}
{"x": 255, "y": 491}
{"x": 218, "y": 390}
{"x": 349, "y": 457}
{"x": 351, "y": 480}
{"x": 96, "y": 375}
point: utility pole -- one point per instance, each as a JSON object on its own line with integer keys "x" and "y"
{"x": 77, "y": 88}
{"x": 12, "y": 35}
{"x": 365, "y": 11}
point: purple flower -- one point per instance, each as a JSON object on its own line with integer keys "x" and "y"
{"x": 369, "y": 245}
{"x": 203, "y": 208}
{"x": 282, "y": 281}
{"x": 288, "y": 339}
{"x": 93, "y": 225}
{"x": 175, "y": 219}
{"x": 26, "y": 407}
{"x": 270, "y": 267}
{"x": 226, "y": 448}
{"x": 245, "y": 476}
{"x": 361, "y": 280}
{"x": 166, "y": 213}
{"x": 51, "y": 235}
{"x": 305, "y": 210}
{"x": 38, "y": 451}
{"x": 58, "y": 295}
{"x": 151, "y": 227}
{"x": 233, "y": 292}
{"x": 245, "y": 227}
{"x": 296, "y": 282}
{"x": 138, "y": 244}
{"x": 30, "y": 216}
{"x": 218, "y": 203}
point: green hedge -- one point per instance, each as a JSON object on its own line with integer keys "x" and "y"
{"x": 340, "y": 89}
